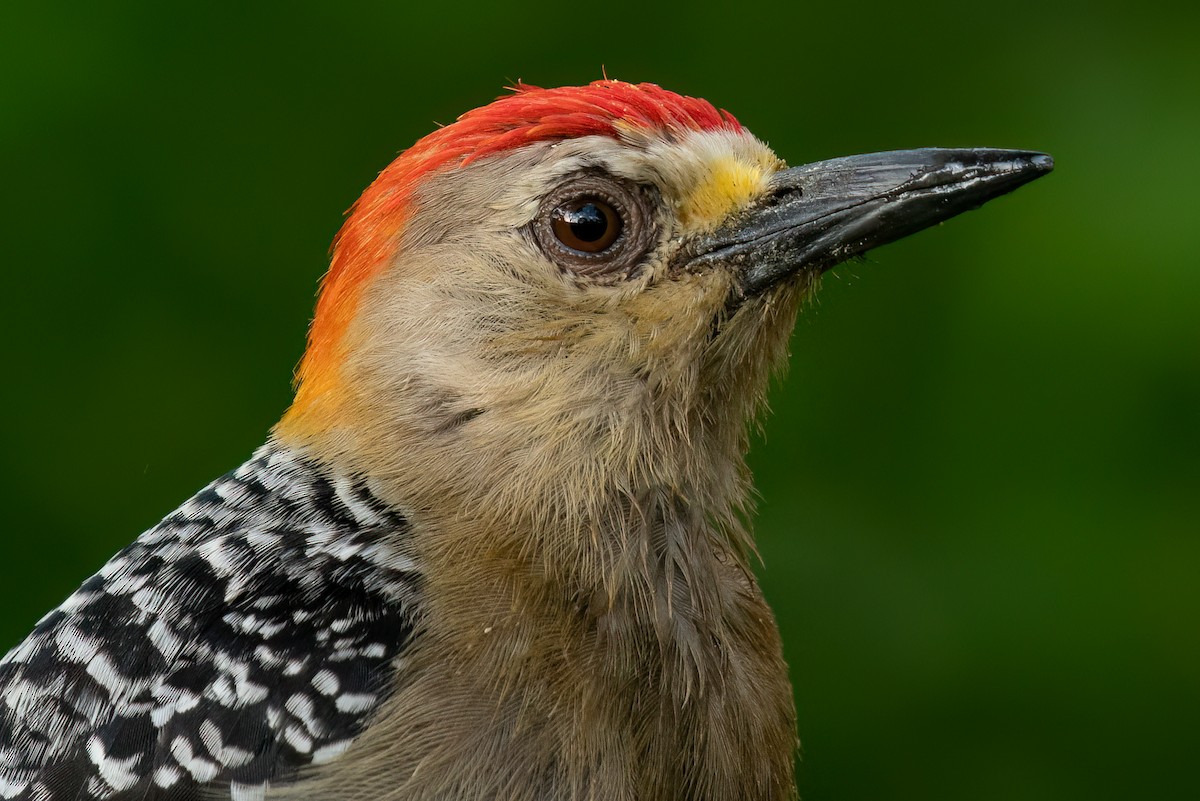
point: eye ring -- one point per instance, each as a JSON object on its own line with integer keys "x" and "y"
{"x": 596, "y": 225}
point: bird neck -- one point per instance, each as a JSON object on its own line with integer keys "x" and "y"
{"x": 629, "y": 654}
{"x": 598, "y": 495}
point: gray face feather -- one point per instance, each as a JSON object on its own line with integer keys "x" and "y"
{"x": 251, "y": 633}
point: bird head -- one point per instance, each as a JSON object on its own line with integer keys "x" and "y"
{"x": 571, "y": 300}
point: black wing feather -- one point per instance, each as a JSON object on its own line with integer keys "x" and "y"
{"x": 251, "y": 633}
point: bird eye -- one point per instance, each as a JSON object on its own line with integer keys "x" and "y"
{"x": 588, "y": 225}
{"x": 596, "y": 225}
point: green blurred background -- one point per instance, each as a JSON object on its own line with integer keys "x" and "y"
{"x": 981, "y": 483}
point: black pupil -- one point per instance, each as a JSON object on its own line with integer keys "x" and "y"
{"x": 588, "y": 222}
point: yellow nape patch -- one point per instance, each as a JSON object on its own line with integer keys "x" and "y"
{"x": 727, "y": 184}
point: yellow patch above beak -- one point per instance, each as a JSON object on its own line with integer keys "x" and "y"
{"x": 727, "y": 184}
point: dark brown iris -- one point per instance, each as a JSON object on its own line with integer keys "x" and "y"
{"x": 597, "y": 225}
{"x": 587, "y": 225}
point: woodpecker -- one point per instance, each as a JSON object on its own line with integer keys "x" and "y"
{"x": 498, "y": 546}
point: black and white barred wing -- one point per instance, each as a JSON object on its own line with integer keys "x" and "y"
{"x": 251, "y": 633}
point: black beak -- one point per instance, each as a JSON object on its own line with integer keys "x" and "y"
{"x": 816, "y": 216}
